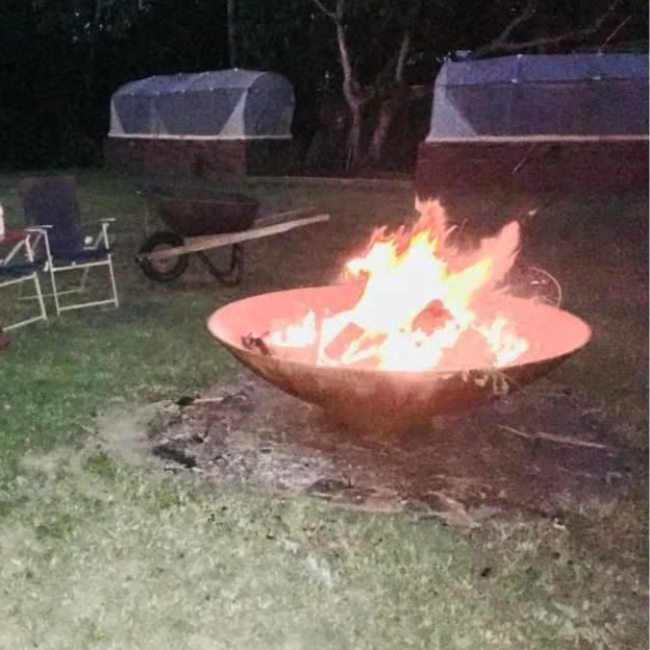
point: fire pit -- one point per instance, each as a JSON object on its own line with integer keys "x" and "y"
{"x": 423, "y": 329}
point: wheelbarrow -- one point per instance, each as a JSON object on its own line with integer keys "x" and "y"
{"x": 199, "y": 220}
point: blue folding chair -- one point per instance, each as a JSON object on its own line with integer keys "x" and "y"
{"x": 49, "y": 204}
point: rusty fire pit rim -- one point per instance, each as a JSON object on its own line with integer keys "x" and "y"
{"x": 426, "y": 375}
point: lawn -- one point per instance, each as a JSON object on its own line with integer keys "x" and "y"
{"x": 97, "y": 552}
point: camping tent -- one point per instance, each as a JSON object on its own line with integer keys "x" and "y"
{"x": 524, "y": 96}
{"x": 234, "y": 121}
{"x": 224, "y": 104}
{"x": 529, "y": 122}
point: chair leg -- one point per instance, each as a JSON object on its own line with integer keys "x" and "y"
{"x": 39, "y": 297}
{"x": 55, "y": 292}
{"x": 78, "y": 289}
{"x": 84, "y": 277}
{"x": 113, "y": 283}
{"x": 41, "y": 304}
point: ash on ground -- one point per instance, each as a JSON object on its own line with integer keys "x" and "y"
{"x": 541, "y": 451}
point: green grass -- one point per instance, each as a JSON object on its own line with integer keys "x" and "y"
{"x": 57, "y": 376}
{"x": 95, "y": 553}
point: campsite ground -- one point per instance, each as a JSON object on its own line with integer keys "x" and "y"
{"x": 100, "y": 547}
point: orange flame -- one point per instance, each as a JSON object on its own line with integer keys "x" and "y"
{"x": 425, "y": 305}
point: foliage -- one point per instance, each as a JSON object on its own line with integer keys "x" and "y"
{"x": 62, "y": 60}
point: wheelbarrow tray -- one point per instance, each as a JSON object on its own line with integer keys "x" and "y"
{"x": 197, "y": 212}
{"x": 200, "y": 220}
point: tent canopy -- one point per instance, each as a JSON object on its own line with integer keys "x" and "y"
{"x": 223, "y": 104}
{"x": 530, "y": 95}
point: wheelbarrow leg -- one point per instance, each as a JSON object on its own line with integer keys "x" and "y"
{"x": 232, "y": 276}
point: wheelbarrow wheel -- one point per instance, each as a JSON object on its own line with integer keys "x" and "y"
{"x": 167, "y": 269}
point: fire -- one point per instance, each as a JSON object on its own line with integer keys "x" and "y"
{"x": 424, "y": 304}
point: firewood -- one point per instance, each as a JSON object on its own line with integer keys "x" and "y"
{"x": 431, "y": 318}
{"x": 343, "y": 340}
{"x": 256, "y": 344}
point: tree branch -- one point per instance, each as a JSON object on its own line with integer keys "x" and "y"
{"x": 402, "y": 56}
{"x": 332, "y": 15}
{"x": 501, "y": 43}
{"x": 343, "y": 53}
{"x": 393, "y": 72}
{"x": 351, "y": 88}
{"x": 616, "y": 31}
{"x": 527, "y": 13}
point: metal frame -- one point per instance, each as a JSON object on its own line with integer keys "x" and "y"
{"x": 268, "y": 226}
{"x": 24, "y": 246}
{"x": 52, "y": 267}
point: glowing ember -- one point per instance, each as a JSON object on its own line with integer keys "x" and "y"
{"x": 424, "y": 304}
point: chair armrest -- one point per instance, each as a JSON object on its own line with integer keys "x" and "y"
{"x": 24, "y": 244}
{"x": 38, "y": 233}
{"x": 40, "y": 238}
{"x": 103, "y": 234}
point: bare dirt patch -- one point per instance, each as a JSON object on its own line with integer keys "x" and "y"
{"x": 543, "y": 452}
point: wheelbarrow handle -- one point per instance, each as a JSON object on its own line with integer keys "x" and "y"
{"x": 207, "y": 242}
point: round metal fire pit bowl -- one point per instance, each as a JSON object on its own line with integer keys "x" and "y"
{"x": 374, "y": 401}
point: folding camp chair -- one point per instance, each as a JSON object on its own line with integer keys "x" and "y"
{"x": 18, "y": 265}
{"x": 49, "y": 203}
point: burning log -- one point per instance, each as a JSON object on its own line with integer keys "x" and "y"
{"x": 432, "y": 317}
{"x": 337, "y": 348}
{"x": 256, "y": 343}
{"x": 355, "y": 346}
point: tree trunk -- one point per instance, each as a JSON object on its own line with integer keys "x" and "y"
{"x": 353, "y": 161}
{"x": 353, "y": 99}
{"x": 91, "y": 57}
{"x": 397, "y": 95}
{"x": 387, "y": 112}
{"x": 352, "y": 91}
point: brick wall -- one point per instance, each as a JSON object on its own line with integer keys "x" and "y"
{"x": 571, "y": 165}
{"x": 201, "y": 158}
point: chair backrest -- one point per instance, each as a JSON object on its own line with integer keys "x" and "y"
{"x": 50, "y": 201}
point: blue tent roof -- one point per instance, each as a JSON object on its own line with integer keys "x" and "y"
{"x": 226, "y": 104}
{"x": 588, "y": 95}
